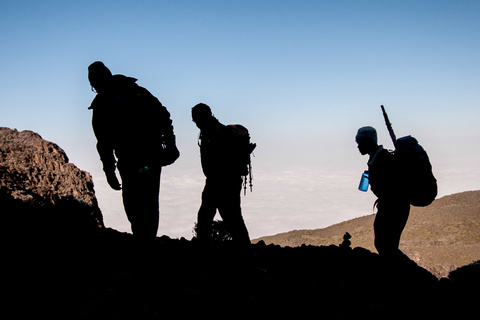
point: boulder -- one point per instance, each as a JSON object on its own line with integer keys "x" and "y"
{"x": 38, "y": 172}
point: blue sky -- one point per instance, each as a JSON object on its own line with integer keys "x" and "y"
{"x": 303, "y": 76}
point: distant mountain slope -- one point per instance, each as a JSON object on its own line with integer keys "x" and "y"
{"x": 440, "y": 237}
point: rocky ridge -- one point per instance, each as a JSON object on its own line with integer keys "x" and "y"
{"x": 74, "y": 270}
{"x": 58, "y": 264}
{"x": 38, "y": 171}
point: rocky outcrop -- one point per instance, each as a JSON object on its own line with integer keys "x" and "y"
{"x": 38, "y": 172}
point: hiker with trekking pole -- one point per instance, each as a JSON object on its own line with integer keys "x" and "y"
{"x": 399, "y": 179}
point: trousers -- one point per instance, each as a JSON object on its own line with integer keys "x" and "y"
{"x": 140, "y": 193}
{"x": 222, "y": 194}
{"x": 391, "y": 218}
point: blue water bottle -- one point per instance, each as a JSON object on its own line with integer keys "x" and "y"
{"x": 363, "y": 186}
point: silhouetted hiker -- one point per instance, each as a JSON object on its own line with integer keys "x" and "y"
{"x": 131, "y": 125}
{"x": 393, "y": 207}
{"x": 223, "y": 185}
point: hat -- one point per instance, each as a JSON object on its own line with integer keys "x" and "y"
{"x": 98, "y": 74}
{"x": 366, "y": 134}
{"x": 201, "y": 111}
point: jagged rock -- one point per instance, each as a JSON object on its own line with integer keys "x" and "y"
{"x": 38, "y": 172}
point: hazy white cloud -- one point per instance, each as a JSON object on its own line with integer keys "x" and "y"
{"x": 282, "y": 199}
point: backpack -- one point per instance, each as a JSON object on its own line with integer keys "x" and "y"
{"x": 415, "y": 167}
{"x": 245, "y": 149}
{"x": 420, "y": 185}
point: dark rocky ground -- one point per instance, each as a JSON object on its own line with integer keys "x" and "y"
{"x": 58, "y": 261}
{"x": 57, "y": 264}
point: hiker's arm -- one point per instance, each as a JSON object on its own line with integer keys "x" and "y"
{"x": 105, "y": 150}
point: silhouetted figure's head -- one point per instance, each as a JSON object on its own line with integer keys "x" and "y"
{"x": 366, "y": 139}
{"x": 99, "y": 76}
{"x": 202, "y": 115}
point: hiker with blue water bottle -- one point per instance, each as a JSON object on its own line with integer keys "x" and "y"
{"x": 393, "y": 207}
{"x": 387, "y": 173}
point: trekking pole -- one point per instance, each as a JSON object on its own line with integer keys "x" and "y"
{"x": 245, "y": 185}
{"x": 250, "y": 172}
{"x": 389, "y": 126}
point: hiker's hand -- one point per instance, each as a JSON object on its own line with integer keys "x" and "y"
{"x": 113, "y": 181}
{"x": 170, "y": 151}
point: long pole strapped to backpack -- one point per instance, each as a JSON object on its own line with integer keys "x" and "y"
{"x": 412, "y": 161}
{"x": 389, "y": 127}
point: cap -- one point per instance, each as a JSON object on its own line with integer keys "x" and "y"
{"x": 366, "y": 134}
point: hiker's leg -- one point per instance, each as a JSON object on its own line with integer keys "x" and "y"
{"x": 230, "y": 210}
{"x": 388, "y": 226}
{"x": 206, "y": 213}
{"x": 140, "y": 192}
